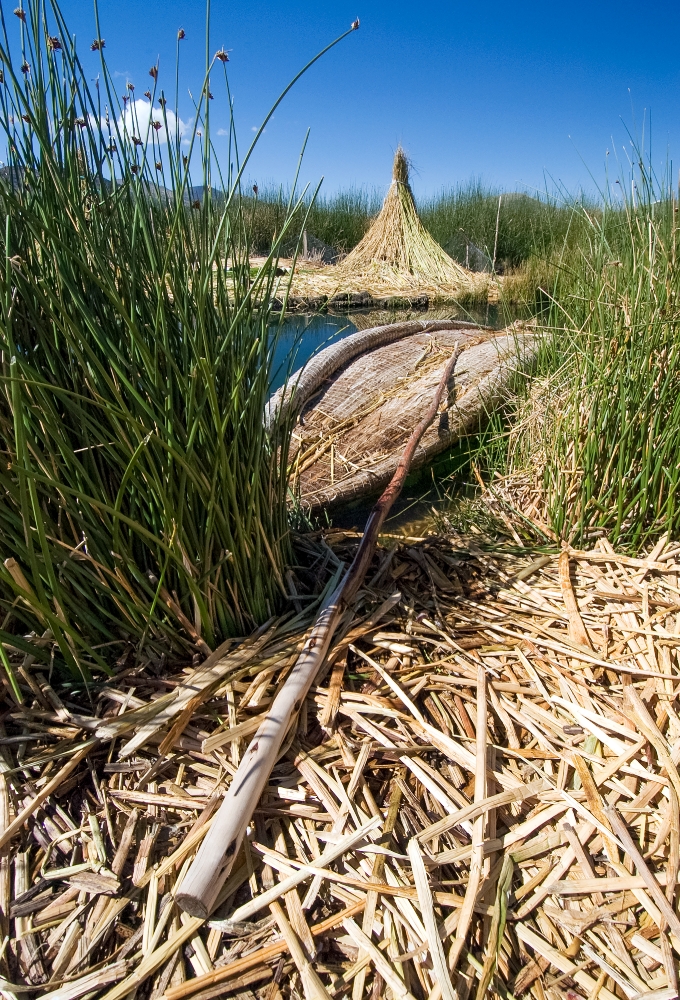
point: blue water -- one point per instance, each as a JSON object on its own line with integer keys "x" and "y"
{"x": 303, "y": 335}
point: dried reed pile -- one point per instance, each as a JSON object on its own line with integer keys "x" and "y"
{"x": 397, "y": 256}
{"x": 480, "y": 794}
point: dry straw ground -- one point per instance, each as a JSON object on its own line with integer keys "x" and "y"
{"x": 480, "y": 794}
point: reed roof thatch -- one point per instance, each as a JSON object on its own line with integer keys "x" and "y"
{"x": 397, "y": 256}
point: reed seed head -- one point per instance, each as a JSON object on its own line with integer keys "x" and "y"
{"x": 147, "y": 94}
{"x": 20, "y": 13}
{"x": 26, "y": 118}
{"x": 196, "y": 205}
{"x": 153, "y": 72}
{"x": 98, "y": 44}
{"x": 130, "y": 86}
{"x": 134, "y": 168}
{"x": 25, "y": 68}
{"x": 255, "y": 189}
{"x": 181, "y": 34}
{"x": 159, "y": 165}
{"x": 136, "y": 140}
{"x": 156, "y": 125}
{"x": 222, "y": 56}
{"x": 355, "y": 24}
{"x": 53, "y": 43}
{"x": 162, "y": 101}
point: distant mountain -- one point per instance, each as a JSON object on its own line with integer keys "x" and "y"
{"x": 13, "y": 176}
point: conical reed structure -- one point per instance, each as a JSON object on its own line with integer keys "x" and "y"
{"x": 397, "y": 256}
{"x": 398, "y": 242}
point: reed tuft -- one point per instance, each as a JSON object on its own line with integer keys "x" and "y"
{"x": 143, "y": 503}
{"x": 595, "y": 446}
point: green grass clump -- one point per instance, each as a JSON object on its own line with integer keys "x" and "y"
{"x": 143, "y": 501}
{"x": 612, "y": 461}
{"x": 591, "y": 443}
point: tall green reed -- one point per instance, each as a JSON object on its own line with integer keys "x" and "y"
{"x": 338, "y": 220}
{"x": 601, "y": 422}
{"x": 143, "y": 500}
{"x": 507, "y": 228}
{"x": 614, "y": 463}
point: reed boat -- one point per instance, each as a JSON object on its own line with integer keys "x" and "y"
{"x": 357, "y": 401}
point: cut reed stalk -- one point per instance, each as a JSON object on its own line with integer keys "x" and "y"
{"x": 202, "y": 883}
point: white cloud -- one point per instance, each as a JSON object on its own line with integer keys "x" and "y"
{"x": 139, "y": 116}
{"x": 223, "y": 131}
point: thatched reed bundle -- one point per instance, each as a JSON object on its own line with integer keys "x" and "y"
{"x": 398, "y": 241}
{"x": 354, "y": 423}
{"x": 396, "y": 256}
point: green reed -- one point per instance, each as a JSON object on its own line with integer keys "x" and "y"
{"x": 612, "y": 455}
{"x": 598, "y": 426}
{"x": 338, "y": 220}
{"x": 143, "y": 500}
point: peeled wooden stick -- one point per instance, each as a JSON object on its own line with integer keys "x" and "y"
{"x": 202, "y": 883}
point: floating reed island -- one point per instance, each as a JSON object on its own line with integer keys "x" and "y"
{"x": 397, "y": 260}
{"x": 478, "y": 797}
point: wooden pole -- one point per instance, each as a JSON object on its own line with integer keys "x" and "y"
{"x": 201, "y": 885}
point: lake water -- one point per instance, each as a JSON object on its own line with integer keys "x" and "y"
{"x": 302, "y": 335}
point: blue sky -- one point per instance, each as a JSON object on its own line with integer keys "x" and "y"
{"x": 511, "y": 93}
